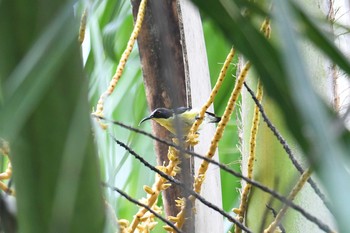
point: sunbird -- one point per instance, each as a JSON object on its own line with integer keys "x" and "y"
{"x": 186, "y": 117}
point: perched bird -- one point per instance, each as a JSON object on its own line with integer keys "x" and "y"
{"x": 186, "y": 117}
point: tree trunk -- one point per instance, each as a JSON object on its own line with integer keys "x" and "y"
{"x": 175, "y": 71}
{"x": 163, "y": 70}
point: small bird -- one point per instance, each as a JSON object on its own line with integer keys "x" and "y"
{"x": 186, "y": 116}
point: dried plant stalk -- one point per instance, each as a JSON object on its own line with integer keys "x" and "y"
{"x": 123, "y": 59}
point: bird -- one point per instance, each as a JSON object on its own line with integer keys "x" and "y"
{"x": 185, "y": 115}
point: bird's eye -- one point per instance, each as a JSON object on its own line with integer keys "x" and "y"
{"x": 162, "y": 113}
{"x": 157, "y": 113}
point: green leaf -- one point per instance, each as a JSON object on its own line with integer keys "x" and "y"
{"x": 45, "y": 116}
{"x": 316, "y": 36}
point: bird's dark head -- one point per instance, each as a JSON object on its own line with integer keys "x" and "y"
{"x": 160, "y": 113}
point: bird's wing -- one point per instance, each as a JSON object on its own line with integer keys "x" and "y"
{"x": 180, "y": 110}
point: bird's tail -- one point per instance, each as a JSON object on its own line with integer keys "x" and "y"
{"x": 211, "y": 118}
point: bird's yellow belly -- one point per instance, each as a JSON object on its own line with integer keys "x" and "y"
{"x": 184, "y": 124}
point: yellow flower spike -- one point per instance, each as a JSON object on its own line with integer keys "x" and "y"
{"x": 148, "y": 190}
{"x": 7, "y": 173}
{"x": 224, "y": 120}
{"x": 178, "y": 205}
{"x": 144, "y": 218}
{"x": 181, "y": 216}
{"x": 198, "y": 182}
{"x": 5, "y": 151}
{"x": 166, "y": 186}
{"x": 199, "y": 179}
{"x": 173, "y": 152}
{"x": 192, "y": 139}
{"x": 152, "y": 199}
{"x": 149, "y": 214}
{"x": 4, "y": 147}
{"x": 176, "y": 141}
{"x": 140, "y": 228}
{"x": 176, "y": 170}
{"x": 159, "y": 167}
{"x": 278, "y": 230}
{"x": 204, "y": 166}
{"x": 252, "y": 146}
{"x": 123, "y": 223}
{"x": 173, "y": 219}
{"x": 174, "y": 158}
{"x": 168, "y": 228}
{"x": 156, "y": 208}
{"x": 154, "y": 192}
{"x": 186, "y": 156}
{"x": 140, "y": 214}
{"x": 172, "y": 173}
{"x": 143, "y": 200}
{"x": 124, "y": 230}
{"x": 236, "y": 211}
{"x": 152, "y": 225}
{"x": 180, "y": 202}
{"x": 162, "y": 169}
{"x": 266, "y": 30}
{"x": 123, "y": 59}
{"x": 82, "y": 27}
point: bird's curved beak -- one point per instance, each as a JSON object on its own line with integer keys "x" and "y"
{"x": 145, "y": 119}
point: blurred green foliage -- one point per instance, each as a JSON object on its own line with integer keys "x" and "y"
{"x": 44, "y": 114}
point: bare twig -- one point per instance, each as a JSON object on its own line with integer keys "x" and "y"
{"x": 286, "y": 147}
{"x": 143, "y": 205}
{"x": 181, "y": 184}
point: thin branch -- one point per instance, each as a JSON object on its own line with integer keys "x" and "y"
{"x": 278, "y": 196}
{"x": 286, "y": 147}
{"x": 143, "y": 205}
{"x": 274, "y": 213}
{"x": 296, "y": 189}
{"x": 181, "y": 184}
